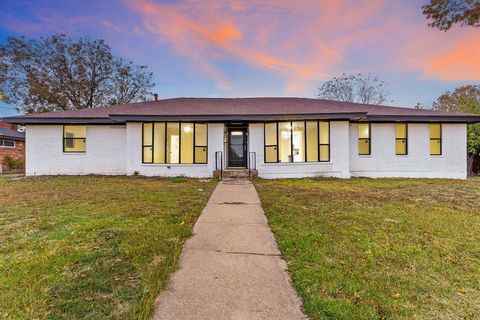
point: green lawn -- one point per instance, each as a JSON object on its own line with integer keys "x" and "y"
{"x": 92, "y": 247}
{"x": 379, "y": 249}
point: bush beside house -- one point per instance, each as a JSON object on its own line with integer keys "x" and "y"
{"x": 12, "y": 148}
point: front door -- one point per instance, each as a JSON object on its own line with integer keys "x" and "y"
{"x": 237, "y": 147}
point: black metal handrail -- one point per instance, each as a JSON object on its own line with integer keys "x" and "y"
{"x": 219, "y": 153}
{"x": 252, "y": 163}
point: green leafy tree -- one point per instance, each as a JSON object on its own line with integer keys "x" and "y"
{"x": 59, "y": 73}
{"x": 445, "y": 13}
{"x": 464, "y": 99}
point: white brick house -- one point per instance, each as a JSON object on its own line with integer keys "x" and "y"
{"x": 279, "y": 137}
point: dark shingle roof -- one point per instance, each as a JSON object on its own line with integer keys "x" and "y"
{"x": 11, "y": 134}
{"x": 260, "y": 109}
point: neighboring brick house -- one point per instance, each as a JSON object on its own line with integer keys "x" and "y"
{"x": 12, "y": 144}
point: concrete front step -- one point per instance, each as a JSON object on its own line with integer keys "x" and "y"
{"x": 238, "y": 174}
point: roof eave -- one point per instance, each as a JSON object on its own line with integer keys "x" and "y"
{"x": 57, "y": 120}
{"x": 251, "y": 118}
{"x": 357, "y": 116}
{"x": 424, "y": 118}
{"x": 12, "y": 138}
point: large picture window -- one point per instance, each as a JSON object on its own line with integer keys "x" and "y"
{"x": 297, "y": 141}
{"x": 74, "y": 138}
{"x": 435, "y": 139}
{"x": 174, "y": 142}
{"x": 401, "y": 139}
{"x": 364, "y": 142}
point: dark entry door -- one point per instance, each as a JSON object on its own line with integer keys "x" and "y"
{"x": 237, "y": 147}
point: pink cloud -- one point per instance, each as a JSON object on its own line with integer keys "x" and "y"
{"x": 293, "y": 39}
{"x": 458, "y": 59}
{"x": 297, "y": 43}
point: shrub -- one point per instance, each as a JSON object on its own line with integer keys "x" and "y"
{"x": 12, "y": 163}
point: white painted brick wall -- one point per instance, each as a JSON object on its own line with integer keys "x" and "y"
{"x": 115, "y": 150}
{"x": 418, "y": 163}
{"x": 105, "y": 151}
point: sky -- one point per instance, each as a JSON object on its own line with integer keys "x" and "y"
{"x": 251, "y": 48}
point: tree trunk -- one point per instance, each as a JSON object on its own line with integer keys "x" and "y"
{"x": 473, "y": 164}
{"x": 470, "y": 164}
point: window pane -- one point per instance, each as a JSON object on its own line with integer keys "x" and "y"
{"x": 363, "y": 131}
{"x": 364, "y": 146}
{"x": 324, "y": 153}
{"x": 401, "y": 146}
{"x": 200, "y": 154}
{"x": 74, "y": 145}
{"x": 435, "y": 147}
{"x": 298, "y": 140}
{"x": 147, "y": 154}
{"x": 159, "y": 142}
{"x": 270, "y": 134}
{"x": 173, "y": 142}
{"x": 324, "y": 132}
{"x": 271, "y": 154}
{"x": 8, "y": 143}
{"x": 312, "y": 141}
{"x": 187, "y": 143}
{"x": 75, "y": 131}
{"x": 435, "y": 131}
{"x": 200, "y": 134}
{"x": 147, "y": 134}
{"x": 284, "y": 142}
{"x": 401, "y": 130}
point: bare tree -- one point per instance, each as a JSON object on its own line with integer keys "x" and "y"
{"x": 58, "y": 73}
{"x": 355, "y": 88}
{"x": 445, "y": 13}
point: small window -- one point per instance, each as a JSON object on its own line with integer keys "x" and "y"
{"x": 271, "y": 142}
{"x": 173, "y": 142}
{"x": 364, "y": 142}
{"x": 186, "y": 135}
{"x": 285, "y": 142}
{"x": 401, "y": 139}
{"x": 201, "y": 139}
{"x": 7, "y": 143}
{"x": 298, "y": 141}
{"x": 74, "y": 138}
{"x": 312, "y": 141}
{"x": 324, "y": 139}
{"x": 435, "y": 139}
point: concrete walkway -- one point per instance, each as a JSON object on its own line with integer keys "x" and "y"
{"x": 230, "y": 268}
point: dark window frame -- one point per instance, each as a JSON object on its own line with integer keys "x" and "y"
{"x": 78, "y": 138}
{"x": 323, "y": 144}
{"x": 270, "y": 145}
{"x": 369, "y": 139}
{"x": 436, "y": 139}
{"x": 399, "y": 139}
{"x": 291, "y": 141}
{"x": 194, "y": 145}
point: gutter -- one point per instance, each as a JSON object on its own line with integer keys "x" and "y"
{"x": 23, "y": 120}
{"x": 438, "y": 118}
{"x": 250, "y": 118}
{"x": 355, "y": 116}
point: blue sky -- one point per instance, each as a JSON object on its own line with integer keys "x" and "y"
{"x": 240, "y": 48}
